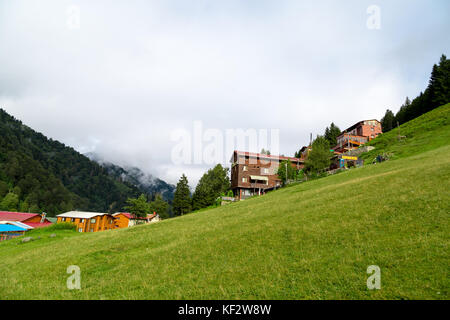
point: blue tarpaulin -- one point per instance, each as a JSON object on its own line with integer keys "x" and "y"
{"x": 10, "y": 228}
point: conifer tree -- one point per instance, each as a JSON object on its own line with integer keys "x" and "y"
{"x": 388, "y": 121}
{"x": 331, "y": 134}
{"x": 182, "y": 197}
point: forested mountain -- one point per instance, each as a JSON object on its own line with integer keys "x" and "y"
{"x": 145, "y": 182}
{"x": 40, "y": 174}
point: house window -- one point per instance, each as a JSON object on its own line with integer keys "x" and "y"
{"x": 80, "y": 230}
{"x": 82, "y": 220}
{"x": 244, "y": 179}
{"x": 92, "y": 230}
{"x": 245, "y": 168}
{"x": 92, "y": 220}
{"x": 64, "y": 219}
{"x": 72, "y": 220}
{"x": 265, "y": 170}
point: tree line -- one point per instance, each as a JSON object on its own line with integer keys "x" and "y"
{"x": 213, "y": 184}
{"x": 435, "y": 95}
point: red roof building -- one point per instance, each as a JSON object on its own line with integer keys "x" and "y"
{"x": 33, "y": 220}
{"x": 357, "y": 135}
{"x": 38, "y": 224}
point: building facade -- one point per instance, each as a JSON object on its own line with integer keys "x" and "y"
{"x": 88, "y": 221}
{"x": 125, "y": 219}
{"x": 357, "y": 135}
{"x": 256, "y": 173}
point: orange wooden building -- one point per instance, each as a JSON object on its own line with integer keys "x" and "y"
{"x": 88, "y": 221}
{"x": 125, "y": 219}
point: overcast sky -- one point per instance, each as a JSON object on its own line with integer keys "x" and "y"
{"x": 130, "y": 73}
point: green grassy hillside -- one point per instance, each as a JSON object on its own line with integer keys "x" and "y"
{"x": 310, "y": 241}
{"x": 427, "y": 132}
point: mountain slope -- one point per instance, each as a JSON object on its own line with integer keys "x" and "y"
{"x": 312, "y": 240}
{"x": 427, "y": 132}
{"x": 48, "y": 176}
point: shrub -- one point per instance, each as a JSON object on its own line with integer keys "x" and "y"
{"x": 61, "y": 226}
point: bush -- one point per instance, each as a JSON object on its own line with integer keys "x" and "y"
{"x": 53, "y": 228}
{"x": 61, "y": 226}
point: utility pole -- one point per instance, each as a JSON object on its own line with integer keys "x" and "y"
{"x": 286, "y": 173}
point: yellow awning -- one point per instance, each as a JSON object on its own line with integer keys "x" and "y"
{"x": 262, "y": 178}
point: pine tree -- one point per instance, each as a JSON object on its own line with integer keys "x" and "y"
{"x": 388, "y": 121}
{"x": 440, "y": 83}
{"x": 182, "y": 197}
{"x": 331, "y": 134}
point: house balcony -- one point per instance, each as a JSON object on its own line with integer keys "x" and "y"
{"x": 255, "y": 185}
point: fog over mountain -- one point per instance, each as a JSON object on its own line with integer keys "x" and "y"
{"x": 144, "y": 181}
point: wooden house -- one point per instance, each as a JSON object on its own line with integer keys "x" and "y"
{"x": 33, "y": 220}
{"x": 256, "y": 173}
{"x": 88, "y": 221}
{"x": 125, "y": 219}
{"x": 357, "y": 135}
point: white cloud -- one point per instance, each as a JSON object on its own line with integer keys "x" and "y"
{"x": 134, "y": 72}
